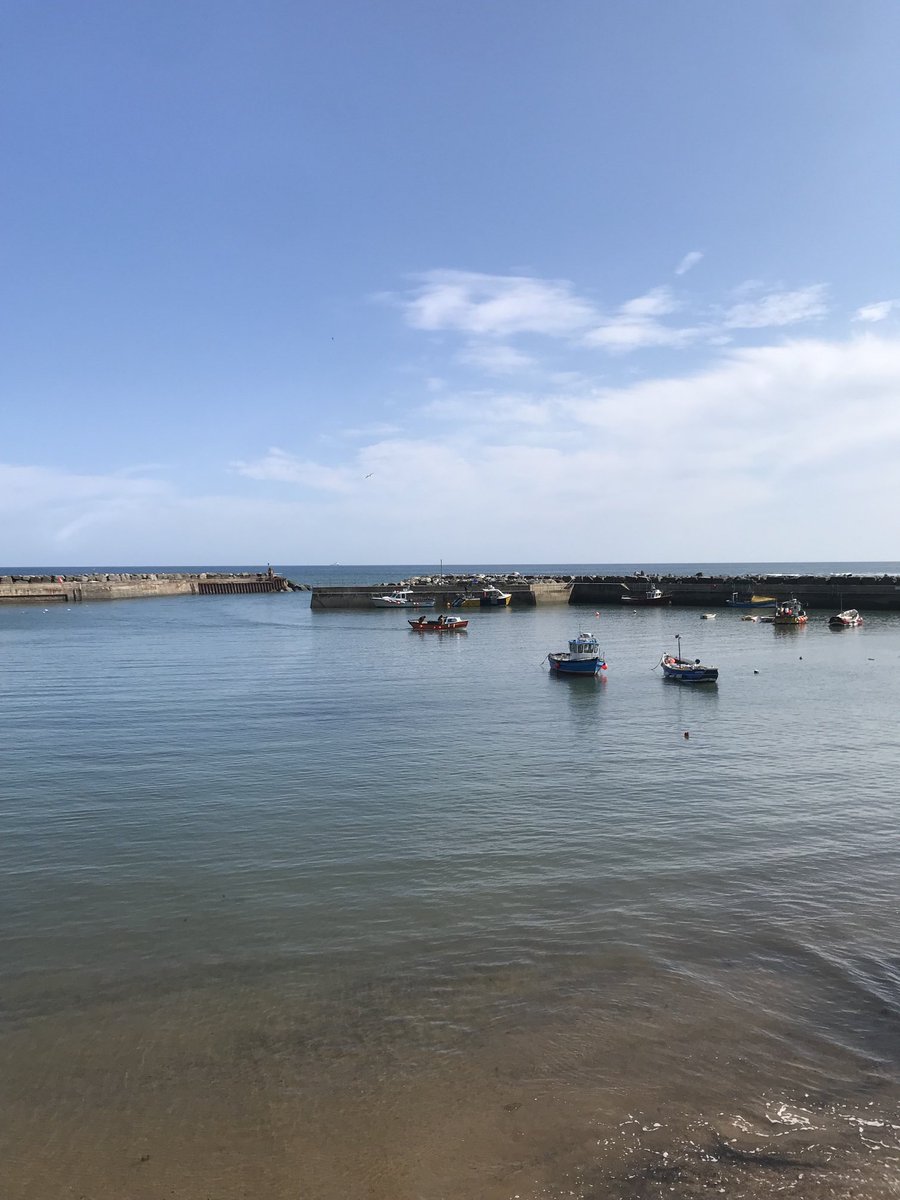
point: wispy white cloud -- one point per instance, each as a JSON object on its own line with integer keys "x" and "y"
{"x": 51, "y": 507}
{"x": 690, "y": 260}
{"x": 656, "y": 303}
{"x": 746, "y": 288}
{"x": 496, "y": 358}
{"x": 482, "y": 412}
{"x": 25, "y": 487}
{"x": 635, "y": 325}
{"x": 143, "y": 468}
{"x": 758, "y": 426}
{"x": 779, "y": 308}
{"x": 878, "y": 311}
{"x": 496, "y": 305}
{"x": 356, "y": 433}
{"x": 493, "y": 310}
{"x": 281, "y": 467}
{"x": 58, "y": 518}
{"x": 623, "y": 334}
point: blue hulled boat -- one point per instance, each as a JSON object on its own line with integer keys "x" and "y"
{"x": 754, "y": 601}
{"x": 685, "y": 671}
{"x": 583, "y": 657}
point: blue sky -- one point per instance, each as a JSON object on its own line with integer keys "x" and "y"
{"x": 501, "y": 281}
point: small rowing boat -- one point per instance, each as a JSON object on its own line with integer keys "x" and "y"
{"x": 685, "y": 671}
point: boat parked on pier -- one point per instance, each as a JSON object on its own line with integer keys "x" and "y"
{"x": 653, "y": 596}
{"x": 684, "y": 670}
{"x": 582, "y": 658}
{"x": 486, "y": 597}
{"x": 403, "y": 598}
{"x": 753, "y": 601}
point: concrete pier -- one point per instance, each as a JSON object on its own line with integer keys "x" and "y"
{"x": 73, "y": 589}
{"x": 524, "y": 592}
{"x": 831, "y": 592}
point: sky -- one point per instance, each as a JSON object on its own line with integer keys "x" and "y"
{"x": 508, "y": 282}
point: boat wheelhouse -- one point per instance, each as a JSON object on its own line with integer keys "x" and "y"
{"x": 582, "y": 658}
{"x": 486, "y": 597}
{"x": 789, "y": 612}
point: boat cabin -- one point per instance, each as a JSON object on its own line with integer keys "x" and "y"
{"x": 585, "y": 644}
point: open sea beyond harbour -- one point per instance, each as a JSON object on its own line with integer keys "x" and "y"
{"x": 307, "y": 905}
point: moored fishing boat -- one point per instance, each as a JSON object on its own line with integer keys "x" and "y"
{"x": 652, "y": 596}
{"x": 847, "y": 619}
{"x": 486, "y": 597}
{"x": 789, "y": 612}
{"x": 439, "y": 624}
{"x": 684, "y": 670}
{"x": 582, "y": 658}
{"x": 403, "y": 598}
{"x": 754, "y": 601}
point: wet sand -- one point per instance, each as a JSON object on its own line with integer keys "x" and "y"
{"x": 493, "y": 1084}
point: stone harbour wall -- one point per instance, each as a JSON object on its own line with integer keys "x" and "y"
{"x": 73, "y": 589}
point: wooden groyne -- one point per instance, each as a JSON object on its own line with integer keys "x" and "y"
{"x": 832, "y": 592}
{"x": 74, "y": 589}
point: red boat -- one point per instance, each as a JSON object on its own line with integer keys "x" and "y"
{"x": 440, "y": 624}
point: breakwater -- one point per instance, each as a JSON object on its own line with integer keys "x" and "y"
{"x": 833, "y": 592}
{"x": 526, "y": 591}
{"x": 73, "y": 589}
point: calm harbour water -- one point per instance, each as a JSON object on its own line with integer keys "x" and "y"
{"x": 304, "y": 904}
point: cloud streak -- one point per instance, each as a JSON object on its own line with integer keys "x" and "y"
{"x": 695, "y": 462}
{"x": 807, "y": 426}
{"x": 496, "y": 305}
{"x": 779, "y": 309}
{"x": 690, "y": 260}
{"x": 280, "y": 467}
{"x": 493, "y": 310}
{"x": 636, "y": 325}
{"x": 879, "y": 311}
